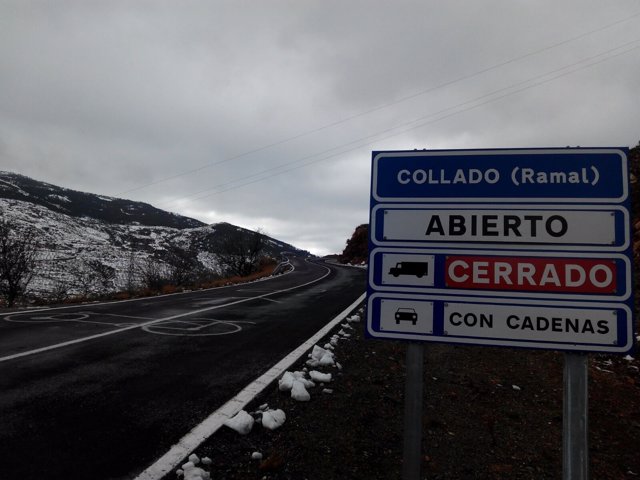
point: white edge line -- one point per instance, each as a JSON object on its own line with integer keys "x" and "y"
{"x": 145, "y": 324}
{"x": 211, "y": 424}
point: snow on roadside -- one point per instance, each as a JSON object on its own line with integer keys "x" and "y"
{"x": 273, "y": 419}
{"x": 190, "y": 471}
{"x": 242, "y": 422}
{"x": 299, "y": 391}
{"x": 320, "y": 377}
{"x": 297, "y": 383}
{"x": 320, "y": 357}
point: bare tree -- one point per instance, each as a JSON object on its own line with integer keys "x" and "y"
{"x": 83, "y": 280}
{"x": 183, "y": 266}
{"x": 102, "y": 273}
{"x": 154, "y": 274}
{"x": 58, "y": 292}
{"x": 241, "y": 251}
{"x": 17, "y": 260}
{"x": 131, "y": 273}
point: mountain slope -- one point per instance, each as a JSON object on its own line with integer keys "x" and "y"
{"x": 89, "y": 243}
{"x": 81, "y": 204}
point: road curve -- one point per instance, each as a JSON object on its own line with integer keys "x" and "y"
{"x": 101, "y": 390}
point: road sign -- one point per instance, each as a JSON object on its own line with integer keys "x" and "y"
{"x": 567, "y": 175}
{"x": 526, "y": 248}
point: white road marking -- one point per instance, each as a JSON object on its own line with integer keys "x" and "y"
{"x": 79, "y": 317}
{"x": 272, "y": 300}
{"x": 252, "y": 290}
{"x": 60, "y": 317}
{"x": 195, "y": 331}
{"x": 213, "y": 301}
{"x": 215, "y": 421}
{"x": 125, "y": 316}
{"x": 173, "y": 317}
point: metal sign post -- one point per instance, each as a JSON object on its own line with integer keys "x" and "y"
{"x": 575, "y": 432}
{"x": 412, "y": 442}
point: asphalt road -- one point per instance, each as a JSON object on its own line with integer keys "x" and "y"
{"x": 99, "y": 391}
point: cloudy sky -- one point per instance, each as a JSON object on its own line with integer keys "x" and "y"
{"x": 264, "y": 113}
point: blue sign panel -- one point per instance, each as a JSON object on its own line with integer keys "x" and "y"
{"x": 521, "y": 247}
{"x": 544, "y": 175}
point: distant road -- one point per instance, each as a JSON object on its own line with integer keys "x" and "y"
{"x": 101, "y": 390}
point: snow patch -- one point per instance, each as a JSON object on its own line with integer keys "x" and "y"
{"x": 286, "y": 382}
{"x": 320, "y": 377}
{"x": 353, "y": 318}
{"x": 242, "y": 422}
{"x": 299, "y": 393}
{"x": 273, "y": 419}
{"x": 321, "y": 357}
{"x": 62, "y": 198}
{"x": 26, "y": 194}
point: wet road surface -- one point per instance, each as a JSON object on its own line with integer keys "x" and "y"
{"x": 101, "y": 390}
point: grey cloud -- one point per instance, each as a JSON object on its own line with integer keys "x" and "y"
{"x": 111, "y": 96}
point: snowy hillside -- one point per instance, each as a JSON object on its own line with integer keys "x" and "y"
{"x": 81, "y": 204}
{"x": 76, "y": 230}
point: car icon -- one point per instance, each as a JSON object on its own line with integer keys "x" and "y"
{"x": 406, "y": 314}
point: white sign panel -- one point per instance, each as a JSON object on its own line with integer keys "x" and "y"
{"x": 576, "y": 227}
{"x": 517, "y": 322}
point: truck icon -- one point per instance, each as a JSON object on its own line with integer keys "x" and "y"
{"x": 418, "y": 269}
{"x": 406, "y": 314}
